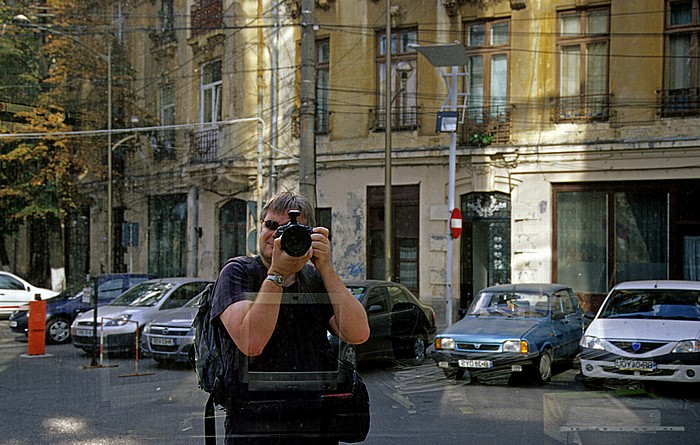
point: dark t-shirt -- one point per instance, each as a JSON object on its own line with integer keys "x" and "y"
{"x": 299, "y": 342}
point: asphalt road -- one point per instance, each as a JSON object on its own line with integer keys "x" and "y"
{"x": 58, "y": 399}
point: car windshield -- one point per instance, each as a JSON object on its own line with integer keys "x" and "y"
{"x": 510, "y": 304}
{"x": 143, "y": 295}
{"x": 669, "y": 304}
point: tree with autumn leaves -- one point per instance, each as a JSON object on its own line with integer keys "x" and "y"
{"x": 55, "y": 65}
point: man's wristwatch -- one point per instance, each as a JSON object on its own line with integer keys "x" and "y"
{"x": 277, "y": 279}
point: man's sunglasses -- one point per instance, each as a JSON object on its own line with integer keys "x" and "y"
{"x": 271, "y": 225}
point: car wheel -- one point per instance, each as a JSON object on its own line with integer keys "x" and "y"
{"x": 349, "y": 354}
{"x": 58, "y": 330}
{"x": 544, "y": 368}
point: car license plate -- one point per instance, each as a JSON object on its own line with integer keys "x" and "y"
{"x": 635, "y": 365}
{"x": 84, "y": 332}
{"x": 162, "y": 341}
{"x": 475, "y": 363}
{"x": 13, "y": 324}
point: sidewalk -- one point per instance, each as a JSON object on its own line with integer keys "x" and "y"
{"x": 9, "y": 339}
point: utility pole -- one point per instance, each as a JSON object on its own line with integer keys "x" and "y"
{"x": 307, "y": 107}
{"x": 388, "y": 217}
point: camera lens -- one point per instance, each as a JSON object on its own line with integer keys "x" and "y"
{"x": 296, "y": 241}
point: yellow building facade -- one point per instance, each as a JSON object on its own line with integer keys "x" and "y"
{"x": 576, "y": 154}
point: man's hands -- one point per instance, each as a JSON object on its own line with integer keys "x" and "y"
{"x": 319, "y": 253}
{"x": 284, "y": 264}
{"x": 321, "y": 249}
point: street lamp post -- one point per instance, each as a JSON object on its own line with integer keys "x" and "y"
{"x": 440, "y": 56}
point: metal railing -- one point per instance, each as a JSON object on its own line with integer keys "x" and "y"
{"x": 593, "y": 107}
{"x": 204, "y": 145}
{"x": 402, "y": 118}
{"x": 679, "y": 102}
{"x": 496, "y": 123}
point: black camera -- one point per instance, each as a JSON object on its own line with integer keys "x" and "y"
{"x": 296, "y": 237}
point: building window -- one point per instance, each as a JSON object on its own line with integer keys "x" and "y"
{"x": 206, "y": 15}
{"x": 205, "y": 142}
{"x": 166, "y": 21}
{"x": 233, "y": 230}
{"x": 324, "y": 218}
{"x": 609, "y": 233}
{"x": 323, "y": 86}
{"x": 680, "y": 96}
{"x": 164, "y": 143}
{"x": 583, "y": 40}
{"x": 210, "y": 92}
{"x": 167, "y": 235}
{"x": 488, "y": 45}
{"x": 402, "y": 78}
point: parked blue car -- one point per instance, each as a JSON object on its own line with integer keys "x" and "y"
{"x": 510, "y": 329}
{"x": 62, "y": 309}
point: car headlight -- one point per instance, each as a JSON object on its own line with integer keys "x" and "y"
{"x": 444, "y": 343}
{"x": 590, "y": 342}
{"x": 519, "y": 346}
{"x": 118, "y": 321}
{"x": 147, "y": 328}
{"x": 686, "y": 346}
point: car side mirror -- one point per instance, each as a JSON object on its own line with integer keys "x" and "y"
{"x": 374, "y": 309}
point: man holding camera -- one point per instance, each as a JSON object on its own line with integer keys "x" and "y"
{"x": 253, "y": 307}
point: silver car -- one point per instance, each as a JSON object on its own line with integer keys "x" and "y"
{"x": 169, "y": 336}
{"x": 118, "y": 321}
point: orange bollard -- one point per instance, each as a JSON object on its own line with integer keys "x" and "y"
{"x": 37, "y": 327}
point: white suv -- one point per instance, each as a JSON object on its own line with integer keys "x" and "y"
{"x": 645, "y": 330}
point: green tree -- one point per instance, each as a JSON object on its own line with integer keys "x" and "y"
{"x": 57, "y": 64}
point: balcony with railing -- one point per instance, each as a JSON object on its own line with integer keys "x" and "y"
{"x": 402, "y": 119}
{"x": 584, "y": 108}
{"x": 680, "y": 102}
{"x": 204, "y": 146}
{"x": 206, "y": 15}
{"x": 492, "y": 122}
{"x": 163, "y": 145}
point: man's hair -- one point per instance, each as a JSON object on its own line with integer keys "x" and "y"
{"x": 282, "y": 202}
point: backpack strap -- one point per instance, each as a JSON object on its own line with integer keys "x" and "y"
{"x": 252, "y": 266}
{"x": 209, "y": 422}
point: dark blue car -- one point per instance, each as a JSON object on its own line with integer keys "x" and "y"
{"x": 511, "y": 329}
{"x": 62, "y": 309}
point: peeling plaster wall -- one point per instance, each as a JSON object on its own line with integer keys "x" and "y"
{"x": 349, "y": 224}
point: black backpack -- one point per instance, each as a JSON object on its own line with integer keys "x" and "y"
{"x": 208, "y": 363}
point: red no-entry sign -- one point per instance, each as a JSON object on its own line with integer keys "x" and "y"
{"x": 456, "y": 223}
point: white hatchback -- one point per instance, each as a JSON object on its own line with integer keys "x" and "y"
{"x": 645, "y": 330}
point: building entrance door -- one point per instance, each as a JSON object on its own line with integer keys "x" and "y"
{"x": 485, "y": 248}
